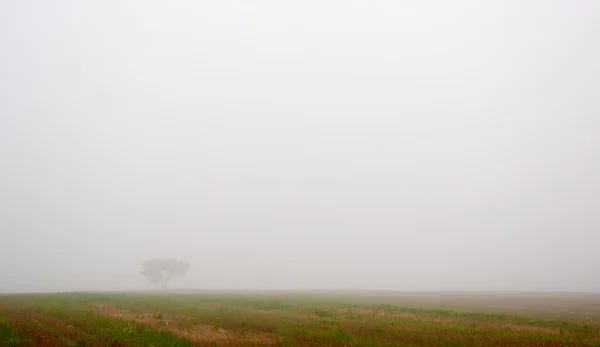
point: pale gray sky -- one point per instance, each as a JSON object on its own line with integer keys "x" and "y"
{"x": 439, "y": 145}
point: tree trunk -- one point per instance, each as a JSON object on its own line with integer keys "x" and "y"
{"x": 164, "y": 281}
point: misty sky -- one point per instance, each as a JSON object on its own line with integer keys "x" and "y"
{"x": 437, "y": 145}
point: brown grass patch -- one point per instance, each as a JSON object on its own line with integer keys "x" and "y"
{"x": 278, "y": 313}
{"x": 522, "y": 327}
{"x": 26, "y": 324}
{"x": 434, "y": 319}
{"x": 187, "y": 328}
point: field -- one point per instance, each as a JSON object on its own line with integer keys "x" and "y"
{"x": 299, "y": 319}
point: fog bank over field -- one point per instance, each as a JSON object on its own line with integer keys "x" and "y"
{"x": 401, "y": 145}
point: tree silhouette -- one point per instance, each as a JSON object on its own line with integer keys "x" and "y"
{"x": 161, "y": 270}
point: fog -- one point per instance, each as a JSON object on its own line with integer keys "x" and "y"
{"x": 405, "y": 145}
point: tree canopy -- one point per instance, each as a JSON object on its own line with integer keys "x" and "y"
{"x": 162, "y": 270}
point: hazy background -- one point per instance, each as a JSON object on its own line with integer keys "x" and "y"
{"x": 430, "y": 145}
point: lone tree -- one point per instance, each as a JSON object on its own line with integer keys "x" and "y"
{"x": 161, "y": 270}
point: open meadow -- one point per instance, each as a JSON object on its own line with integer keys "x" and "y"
{"x": 299, "y": 319}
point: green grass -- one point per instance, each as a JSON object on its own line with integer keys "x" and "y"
{"x": 8, "y": 336}
{"x": 188, "y": 319}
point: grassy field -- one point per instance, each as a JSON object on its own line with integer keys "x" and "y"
{"x": 299, "y": 319}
